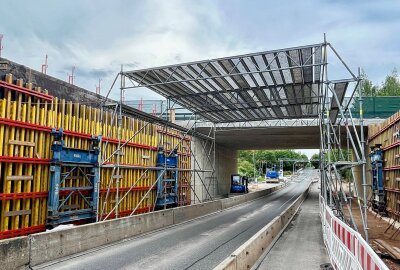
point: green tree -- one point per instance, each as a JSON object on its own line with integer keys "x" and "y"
{"x": 270, "y": 157}
{"x": 391, "y": 85}
{"x": 368, "y": 89}
{"x": 245, "y": 168}
{"x": 315, "y": 160}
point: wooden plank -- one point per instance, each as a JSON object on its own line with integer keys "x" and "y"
{"x": 22, "y": 143}
{"x": 19, "y": 177}
{"x": 392, "y": 252}
{"x": 17, "y": 213}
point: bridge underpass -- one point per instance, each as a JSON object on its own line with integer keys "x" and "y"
{"x": 201, "y": 243}
{"x": 229, "y": 93}
{"x": 269, "y": 135}
{"x": 281, "y": 85}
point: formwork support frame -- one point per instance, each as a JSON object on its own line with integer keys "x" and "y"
{"x": 208, "y": 147}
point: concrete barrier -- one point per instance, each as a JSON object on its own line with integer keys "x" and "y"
{"x": 49, "y": 246}
{"x": 233, "y": 201}
{"x": 247, "y": 254}
{"x": 240, "y": 199}
{"x": 14, "y": 253}
{"x": 18, "y": 252}
{"x": 185, "y": 213}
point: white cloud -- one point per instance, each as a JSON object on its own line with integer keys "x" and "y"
{"x": 98, "y": 38}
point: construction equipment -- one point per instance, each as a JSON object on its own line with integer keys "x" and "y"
{"x": 74, "y": 173}
{"x": 272, "y": 175}
{"x": 167, "y": 176}
{"x": 378, "y": 190}
{"x": 239, "y": 184}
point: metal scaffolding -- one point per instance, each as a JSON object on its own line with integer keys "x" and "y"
{"x": 118, "y": 109}
{"x": 342, "y": 145}
{"x": 272, "y": 88}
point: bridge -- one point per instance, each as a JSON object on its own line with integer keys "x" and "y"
{"x": 267, "y": 100}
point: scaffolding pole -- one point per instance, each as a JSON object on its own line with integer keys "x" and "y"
{"x": 116, "y": 119}
{"x": 333, "y": 161}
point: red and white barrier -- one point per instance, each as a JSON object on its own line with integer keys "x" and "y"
{"x": 346, "y": 247}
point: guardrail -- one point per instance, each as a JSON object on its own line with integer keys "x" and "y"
{"x": 346, "y": 248}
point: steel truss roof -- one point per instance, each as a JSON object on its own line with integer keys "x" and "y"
{"x": 279, "y": 84}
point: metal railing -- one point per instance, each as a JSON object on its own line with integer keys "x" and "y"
{"x": 346, "y": 248}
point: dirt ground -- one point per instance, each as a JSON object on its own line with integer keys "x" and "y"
{"x": 377, "y": 227}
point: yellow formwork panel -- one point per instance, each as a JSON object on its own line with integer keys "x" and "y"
{"x": 82, "y": 119}
{"x": 388, "y": 135}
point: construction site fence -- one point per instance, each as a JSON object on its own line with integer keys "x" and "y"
{"x": 347, "y": 249}
{"x": 27, "y": 116}
{"x": 376, "y": 107}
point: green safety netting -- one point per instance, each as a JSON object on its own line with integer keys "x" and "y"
{"x": 376, "y": 107}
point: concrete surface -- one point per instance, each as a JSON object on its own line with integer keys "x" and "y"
{"x": 226, "y": 160}
{"x": 301, "y": 245}
{"x": 197, "y": 244}
{"x": 284, "y": 134}
{"x": 14, "y": 253}
{"x": 218, "y": 183}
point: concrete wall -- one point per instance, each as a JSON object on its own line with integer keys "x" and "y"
{"x": 204, "y": 183}
{"x": 14, "y": 253}
{"x": 56, "y": 87}
{"x": 226, "y": 160}
{"x": 225, "y": 166}
{"x": 59, "y": 244}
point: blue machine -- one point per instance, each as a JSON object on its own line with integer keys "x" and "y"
{"x": 272, "y": 173}
{"x": 65, "y": 163}
{"x": 239, "y": 184}
{"x": 378, "y": 190}
{"x": 167, "y": 184}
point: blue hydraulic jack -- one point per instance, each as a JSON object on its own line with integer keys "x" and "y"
{"x": 167, "y": 176}
{"x": 378, "y": 190}
{"x": 66, "y": 162}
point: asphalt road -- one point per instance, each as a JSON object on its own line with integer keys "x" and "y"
{"x": 198, "y": 244}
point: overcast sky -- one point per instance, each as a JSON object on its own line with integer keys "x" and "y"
{"x": 98, "y": 36}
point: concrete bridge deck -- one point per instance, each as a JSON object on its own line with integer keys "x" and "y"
{"x": 198, "y": 244}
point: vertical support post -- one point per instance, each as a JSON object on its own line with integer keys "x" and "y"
{"x": 322, "y": 150}
{"x": 95, "y": 179}
{"x": 254, "y": 165}
{"x": 54, "y": 195}
{"x": 119, "y": 122}
{"x": 328, "y": 135}
{"x": 214, "y": 172}
{"x": 193, "y": 153}
{"x": 364, "y": 180}
{"x": 96, "y": 182}
{"x": 165, "y": 155}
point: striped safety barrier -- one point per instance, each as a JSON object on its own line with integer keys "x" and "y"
{"x": 346, "y": 248}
